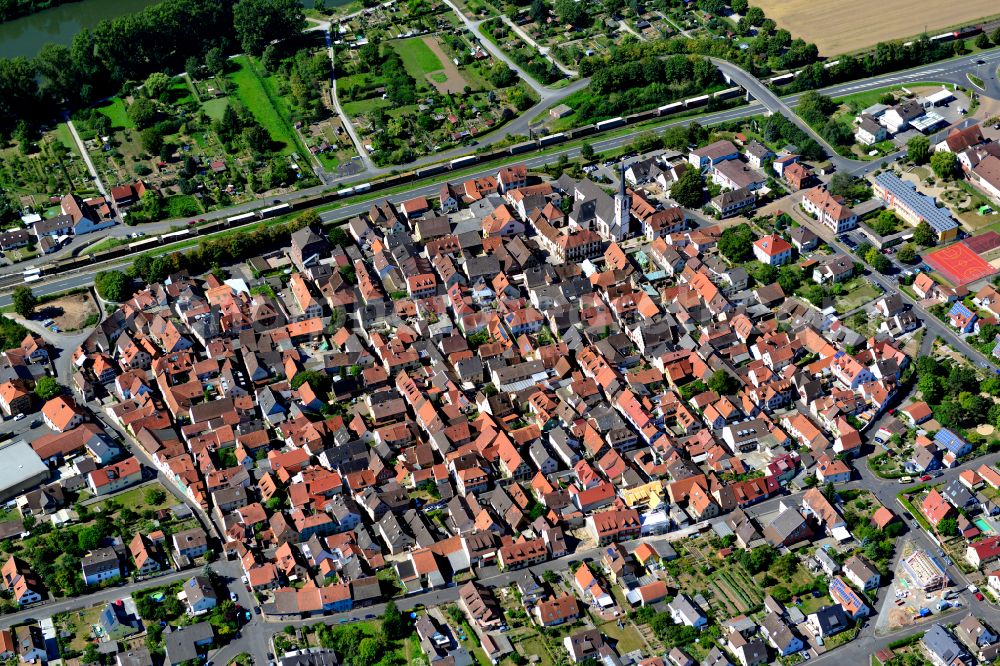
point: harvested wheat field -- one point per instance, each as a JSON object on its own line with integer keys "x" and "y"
{"x": 845, "y": 26}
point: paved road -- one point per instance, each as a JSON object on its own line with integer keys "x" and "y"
{"x": 544, "y": 50}
{"x": 344, "y": 119}
{"x": 86, "y": 157}
{"x": 108, "y": 594}
{"x": 952, "y": 71}
{"x": 775, "y": 104}
{"x": 934, "y": 326}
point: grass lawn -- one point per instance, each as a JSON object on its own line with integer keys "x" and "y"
{"x": 180, "y": 91}
{"x": 417, "y": 57}
{"x": 859, "y": 292}
{"x": 535, "y": 646}
{"x": 214, "y": 108}
{"x": 135, "y": 498}
{"x": 865, "y": 99}
{"x": 108, "y": 243}
{"x": 182, "y": 205}
{"x": 627, "y": 639}
{"x": 114, "y": 109}
{"x": 66, "y": 138}
{"x": 82, "y": 621}
{"x": 250, "y": 90}
{"x": 810, "y": 603}
{"x": 362, "y": 106}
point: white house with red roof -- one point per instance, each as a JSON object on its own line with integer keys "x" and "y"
{"x": 772, "y": 250}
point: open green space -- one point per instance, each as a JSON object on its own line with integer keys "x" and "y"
{"x": 862, "y": 100}
{"x": 250, "y": 90}
{"x": 858, "y": 292}
{"x": 418, "y": 58}
{"x": 214, "y": 108}
{"x": 627, "y": 639}
{"x": 137, "y": 499}
{"x": 116, "y": 112}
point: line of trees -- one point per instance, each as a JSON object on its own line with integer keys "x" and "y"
{"x": 120, "y": 51}
{"x": 633, "y": 79}
{"x": 220, "y": 251}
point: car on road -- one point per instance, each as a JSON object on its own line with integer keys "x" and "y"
{"x": 256, "y": 609}
{"x": 925, "y": 477}
{"x": 19, "y": 416}
{"x": 980, "y": 61}
{"x": 978, "y": 596}
{"x": 36, "y": 423}
{"x": 233, "y": 596}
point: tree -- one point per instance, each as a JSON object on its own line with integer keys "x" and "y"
{"x": 918, "y": 149}
{"x": 587, "y": 151}
{"x": 995, "y": 36}
{"x": 259, "y": 22}
{"x": 947, "y": 527}
{"x": 90, "y": 655}
{"x": 571, "y": 12}
{"x": 907, "y": 253}
{"x": 983, "y": 41}
{"x": 24, "y": 301}
{"x": 155, "y": 496}
{"x": 319, "y": 381}
{"x": 112, "y": 285}
{"x": 61, "y": 76}
{"x": 923, "y": 235}
{"x": 830, "y": 492}
{"x": 739, "y": 6}
{"x": 156, "y": 85}
{"x": 931, "y": 388}
{"x": 394, "y": 623}
{"x": 736, "y": 243}
{"x": 47, "y": 387}
{"x": 539, "y": 11}
{"x": 885, "y": 223}
{"x": 152, "y": 141}
{"x": 687, "y": 191}
{"x": 369, "y": 651}
{"x": 755, "y": 15}
{"x": 790, "y": 278}
{"x": 723, "y": 383}
{"x": 215, "y": 61}
{"x": 944, "y": 164}
{"x": 502, "y": 76}
{"x": 142, "y": 112}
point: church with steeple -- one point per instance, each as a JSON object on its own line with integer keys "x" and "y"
{"x": 595, "y": 209}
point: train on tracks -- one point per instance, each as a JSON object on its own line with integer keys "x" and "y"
{"x": 195, "y": 229}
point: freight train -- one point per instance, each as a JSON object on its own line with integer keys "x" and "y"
{"x": 192, "y": 231}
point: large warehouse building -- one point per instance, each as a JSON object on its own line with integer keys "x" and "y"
{"x": 22, "y": 469}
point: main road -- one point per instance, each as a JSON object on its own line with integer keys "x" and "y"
{"x": 950, "y": 71}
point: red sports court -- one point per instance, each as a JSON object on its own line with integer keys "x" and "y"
{"x": 984, "y": 242}
{"x": 959, "y": 264}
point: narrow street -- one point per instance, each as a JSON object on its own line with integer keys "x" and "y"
{"x": 86, "y": 158}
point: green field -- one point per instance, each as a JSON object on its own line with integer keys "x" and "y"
{"x": 181, "y": 91}
{"x": 214, "y": 108}
{"x": 66, "y": 138}
{"x": 865, "y": 99}
{"x": 417, "y": 57}
{"x": 250, "y": 90}
{"x": 115, "y": 110}
{"x": 362, "y": 106}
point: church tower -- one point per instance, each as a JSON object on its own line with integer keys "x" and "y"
{"x": 623, "y": 207}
